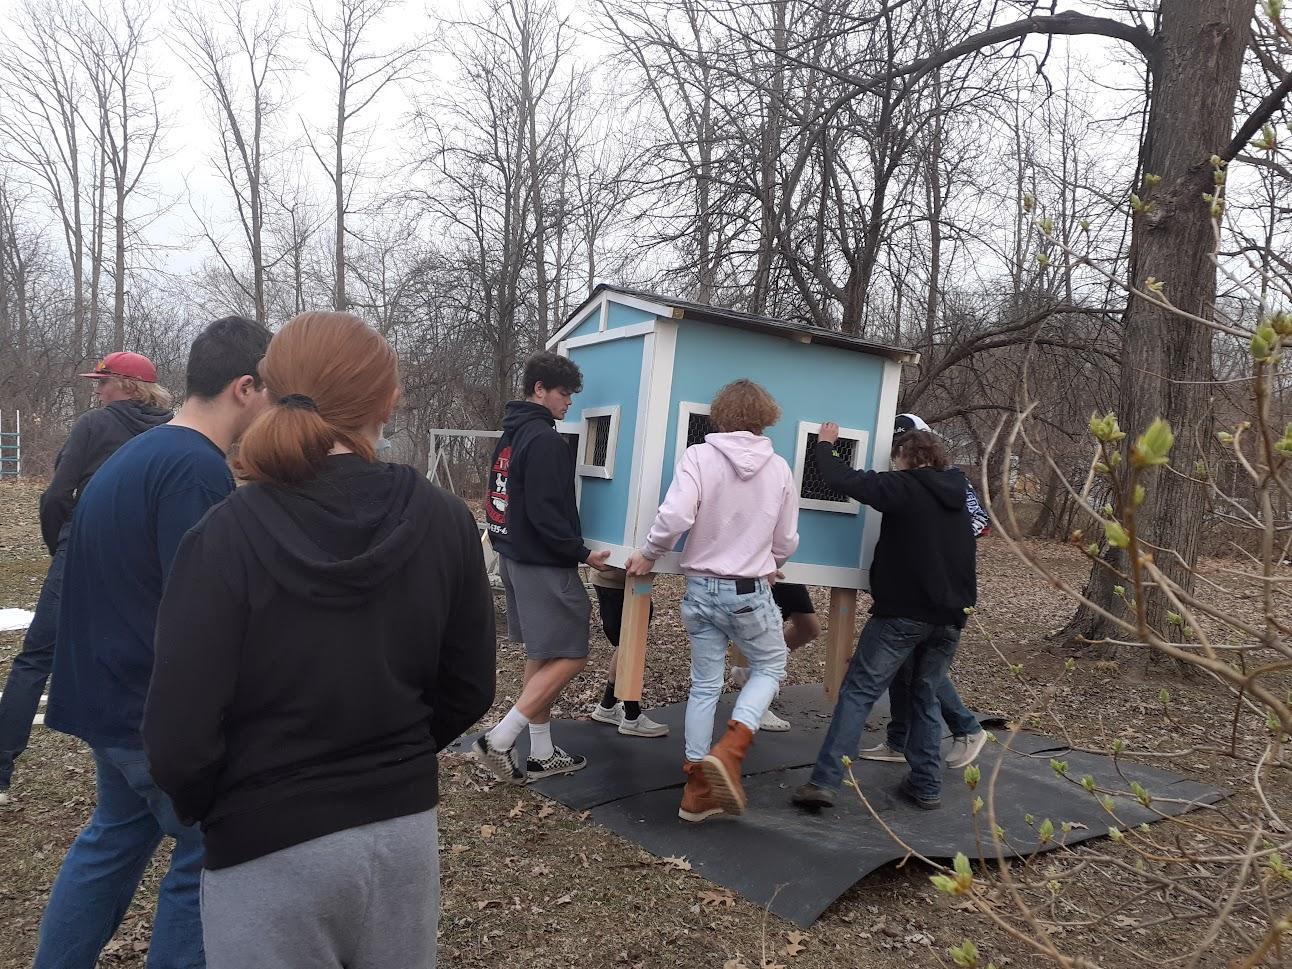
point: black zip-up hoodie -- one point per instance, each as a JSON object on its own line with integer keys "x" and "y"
{"x": 530, "y": 509}
{"x": 925, "y": 565}
{"x": 316, "y": 647}
{"x": 95, "y": 437}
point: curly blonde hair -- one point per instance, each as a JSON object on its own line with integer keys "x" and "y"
{"x": 743, "y": 405}
{"x": 150, "y": 395}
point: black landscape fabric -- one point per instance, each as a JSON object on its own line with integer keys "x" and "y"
{"x": 797, "y": 863}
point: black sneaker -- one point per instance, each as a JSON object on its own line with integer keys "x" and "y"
{"x": 501, "y": 763}
{"x": 907, "y": 793}
{"x": 559, "y": 763}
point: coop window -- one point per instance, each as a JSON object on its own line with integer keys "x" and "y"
{"x": 813, "y": 491}
{"x": 693, "y": 423}
{"x": 599, "y": 437}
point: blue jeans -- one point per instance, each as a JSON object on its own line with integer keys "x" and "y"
{"x": 886, "y": 644}
{"x": 714, "y": 614}
{"x": 103, "y": 867}
{"x": 954, "y": 713}
{"x": 30, "y": 671}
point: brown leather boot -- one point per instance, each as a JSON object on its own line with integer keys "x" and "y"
{"x": 698, "y": 801}
{"x": 722, "y": 766}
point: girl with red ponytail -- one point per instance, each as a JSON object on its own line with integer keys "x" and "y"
{"x": 325, "y": 632}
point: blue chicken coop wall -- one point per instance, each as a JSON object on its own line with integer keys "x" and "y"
{"x": 616, "y": 315}
{"x": 811, "y": 383}
{"x": 611, "y": 378}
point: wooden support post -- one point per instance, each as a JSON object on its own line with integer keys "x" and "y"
{"x": 734, "y": 656}
{"x": 839, "y": 638}
{"x": 632, "y": 638}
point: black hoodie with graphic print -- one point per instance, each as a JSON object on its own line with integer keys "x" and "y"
{"x": 95, "y": 437}
{"x": 316, "y": 647}
{"x": 530, "y": 509}
{"x": 925, "y": 564}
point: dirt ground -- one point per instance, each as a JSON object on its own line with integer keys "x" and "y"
{"x": 529, "y": 883}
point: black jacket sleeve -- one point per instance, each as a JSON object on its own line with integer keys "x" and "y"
{"x": 463, "y": 683}
{"x": 549, "y": 497}
{"x": 200, "y": 629}
{"x": 881, "y": 490}
{"x": 58, "y": 500}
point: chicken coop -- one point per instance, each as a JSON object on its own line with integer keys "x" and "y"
{"x": 651, "y": 364}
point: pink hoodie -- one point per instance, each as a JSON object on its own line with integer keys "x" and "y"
{"x": 736, "y": 496}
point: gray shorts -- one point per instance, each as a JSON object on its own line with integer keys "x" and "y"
{"x": 547, "y": 609}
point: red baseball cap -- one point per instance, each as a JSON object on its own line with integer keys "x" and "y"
{"x": 123, "y": 363}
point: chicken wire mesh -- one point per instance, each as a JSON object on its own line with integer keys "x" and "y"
{"x": 814, "y": 486}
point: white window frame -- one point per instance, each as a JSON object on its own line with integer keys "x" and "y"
{"x": 848, "y": 507}
{"x": 685, "y": 409}
{"x": 612, "y": 440}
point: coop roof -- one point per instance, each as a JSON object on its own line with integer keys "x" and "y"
{"x": 685, "y": 309}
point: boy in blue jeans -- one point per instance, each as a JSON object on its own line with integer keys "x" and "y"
{"x": 923, "y": 578}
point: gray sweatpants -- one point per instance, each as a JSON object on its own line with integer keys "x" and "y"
{"x": 363, "y": 898}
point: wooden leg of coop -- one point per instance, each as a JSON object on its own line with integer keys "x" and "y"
{"x": 632, "y": 638}
{"x": 839, "y": 638}
{"x": 734, "y": 656}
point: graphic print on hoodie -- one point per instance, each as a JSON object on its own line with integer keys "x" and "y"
{"x": 735, "y": 496}
{"x": 531, "y": 512}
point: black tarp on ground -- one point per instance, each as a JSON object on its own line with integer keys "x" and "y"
{"x": 798, "y": 863}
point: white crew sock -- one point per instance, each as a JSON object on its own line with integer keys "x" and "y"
{"x": 540, "y": 741}
{"x": 503, "y": 736}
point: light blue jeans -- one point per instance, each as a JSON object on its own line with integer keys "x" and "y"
{"x": 716, "y": 612}
{"x": 103, "y": 868}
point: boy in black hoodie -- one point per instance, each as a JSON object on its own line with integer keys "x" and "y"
{"x": 922, "y": 579}
{"x": 534, "y": 527}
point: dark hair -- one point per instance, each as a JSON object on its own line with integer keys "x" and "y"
{"x": 922, "y": 449}
{"x": 227, "y": 349}
{"x": 551, "y": 370}
{"x": 330, "y": 375}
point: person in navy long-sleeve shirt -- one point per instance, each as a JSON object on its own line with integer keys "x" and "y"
{"x": 125, "y": 532}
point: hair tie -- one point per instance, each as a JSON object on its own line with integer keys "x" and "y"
{"x": 300, "y": 401}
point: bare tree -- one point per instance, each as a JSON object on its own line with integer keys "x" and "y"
{"x": 341, "y": 32}
{"x": 237, "y": 51}
{"x": 128, "y": 122}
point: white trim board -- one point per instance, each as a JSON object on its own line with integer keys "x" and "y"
{"x": 606, "y": 470}
{"x": 833, "y": 576}
{"x": 639, "y": 436}
{"x": 608, "y": 336}
{"x": 575, "y": 428}
{"x": 848, "y": 507}
{"x": 887, "y": 413}
{"x": 662, "y": 310}
{"x": 685, "y": 409}
{"x": 654, "y": 415}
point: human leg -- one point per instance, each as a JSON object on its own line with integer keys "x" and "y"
{"x": 177, "y": 923}
{"x": 99, "y": 875}
{"x": 708, "y": 658}
{"x": 885, "y": 644}
{"x": 30, "y": 672}
{"x": 923, "y": 747}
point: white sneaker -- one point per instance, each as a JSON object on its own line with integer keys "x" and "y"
{"x": 611, "y": 715}
{"x": 965, "y": 750}
{"x": 739, "y": 676}
{"x": 881, "y": 751}
{"x": 643, "y": 726}
{"x": 772, "y": 723}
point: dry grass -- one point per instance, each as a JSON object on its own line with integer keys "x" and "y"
{"x": 529, "y": 883}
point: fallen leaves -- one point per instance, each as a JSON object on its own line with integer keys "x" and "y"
{"x": 712, "y": 899}
{"x": 796, "y": 945}
{"x": 673, "y": 861}
{"x": 487, "y": 831}
{"x": 546, "y": 811}
{"x": 518, "y": 810}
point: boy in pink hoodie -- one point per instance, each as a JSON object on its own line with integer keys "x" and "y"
{"x": 735, "y": 496}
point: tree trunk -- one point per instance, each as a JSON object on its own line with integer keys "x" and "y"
{"x": 1166, "y": 360}
{"x": 338, "y": 187}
